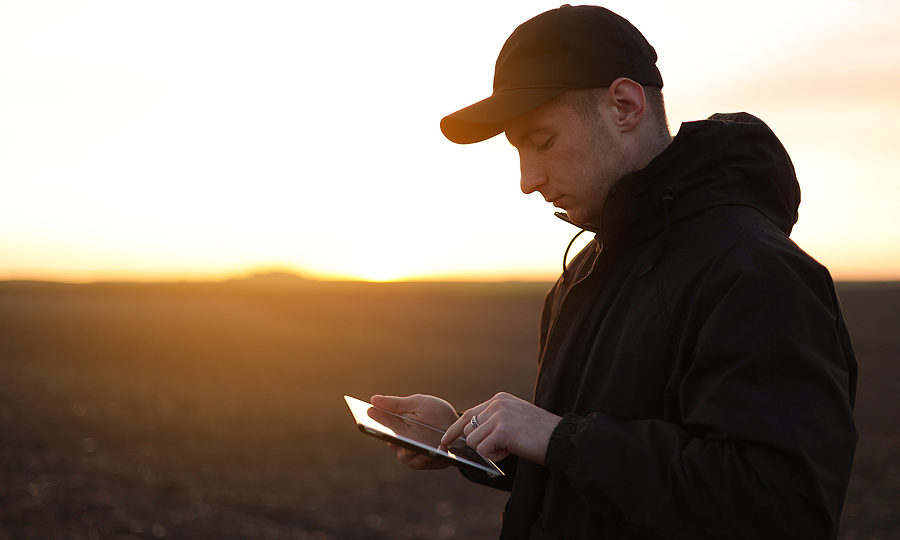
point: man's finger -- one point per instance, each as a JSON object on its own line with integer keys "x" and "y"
{"x": 416, "y": 460}
{"x": 457, "y": 429}
{"x": 492, "y": 446}
{"x": 421, "y": 462}
{"x": 454, "y": 431}
{"x": 405, "y": 455}
{"x": 475, "y": 436}
{"x": 391, "y": 403}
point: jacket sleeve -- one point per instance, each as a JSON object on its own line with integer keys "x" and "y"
{"x": 765, "y": 439}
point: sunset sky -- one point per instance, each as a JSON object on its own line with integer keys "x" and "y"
{"x": 190, "y": 139}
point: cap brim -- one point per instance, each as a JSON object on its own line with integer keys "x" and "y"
{"x": 485, "y": 119}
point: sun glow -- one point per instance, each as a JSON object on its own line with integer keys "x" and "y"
{"x": 168, "y": 141}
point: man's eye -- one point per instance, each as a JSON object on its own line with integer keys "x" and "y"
{"x": 546, "y": 145}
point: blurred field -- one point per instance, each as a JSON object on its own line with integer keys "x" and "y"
{"x": 214, "y": 410}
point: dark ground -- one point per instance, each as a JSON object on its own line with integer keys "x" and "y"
{"x": 215, "y": 411}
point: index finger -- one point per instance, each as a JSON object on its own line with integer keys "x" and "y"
{"x": 455, "y": 430}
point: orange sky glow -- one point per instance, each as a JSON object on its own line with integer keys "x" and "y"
{"x": 202, "y": 140}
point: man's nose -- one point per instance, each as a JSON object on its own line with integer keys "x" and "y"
{"x": 532, "y": 178}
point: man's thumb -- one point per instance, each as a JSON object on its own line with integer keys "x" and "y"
{"x": 390, "y": 403}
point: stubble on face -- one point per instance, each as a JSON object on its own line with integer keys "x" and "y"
{"x": 599, "y": 157}
{"x": 605, "y": 165}
{"x": 570, "y": 154}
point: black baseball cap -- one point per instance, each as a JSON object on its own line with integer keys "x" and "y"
{"x": 562, "y": 49}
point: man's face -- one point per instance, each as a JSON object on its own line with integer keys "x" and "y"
{"x": 571, "y": 160}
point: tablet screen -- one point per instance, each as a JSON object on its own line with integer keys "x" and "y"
{"x": 416, "y": 435}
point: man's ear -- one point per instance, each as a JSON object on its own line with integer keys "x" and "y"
{"x": 628, "y": 98}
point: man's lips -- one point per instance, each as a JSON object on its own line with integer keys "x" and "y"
{"x": 554, "y": 200}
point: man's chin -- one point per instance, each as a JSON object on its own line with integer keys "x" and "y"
{"x": 582, "y": 220}
{"x": 574, "y": 215}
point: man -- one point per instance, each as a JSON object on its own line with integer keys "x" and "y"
{"x": 696, "y": 377}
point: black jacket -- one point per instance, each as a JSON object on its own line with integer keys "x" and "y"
{"x": 699, "y": 359}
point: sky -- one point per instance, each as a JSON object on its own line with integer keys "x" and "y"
{"x": 206, "y": 139}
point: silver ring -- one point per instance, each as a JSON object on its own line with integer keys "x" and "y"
{"x": 475, "y": 423}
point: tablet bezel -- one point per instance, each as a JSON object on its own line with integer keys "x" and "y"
{"x": 372, "y": 427}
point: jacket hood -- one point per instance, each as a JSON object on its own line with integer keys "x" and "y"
{"x": 728, "y": 159}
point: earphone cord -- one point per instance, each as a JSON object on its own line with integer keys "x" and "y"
{"x": 566, "y": 254}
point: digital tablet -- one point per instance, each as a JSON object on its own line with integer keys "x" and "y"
{"x": 416, "y": 436}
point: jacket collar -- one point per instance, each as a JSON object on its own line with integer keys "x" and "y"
{"x": 725, "y": 160}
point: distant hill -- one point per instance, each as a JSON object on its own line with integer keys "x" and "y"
{"x": 275, "y": 277}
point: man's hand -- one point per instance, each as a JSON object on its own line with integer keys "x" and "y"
{"x": 506, "y": 425}
{"x": 426, "y": 409}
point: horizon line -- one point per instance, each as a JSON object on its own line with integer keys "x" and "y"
{"x": 285, "y": 279}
